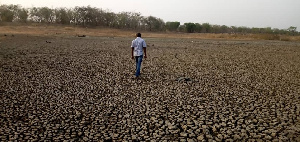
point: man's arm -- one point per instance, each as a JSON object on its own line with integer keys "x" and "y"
{"x": 132, "y": 49}
{"x": 144, "y": 48}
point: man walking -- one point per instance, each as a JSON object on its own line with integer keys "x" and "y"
{"x": 138, "y": 50}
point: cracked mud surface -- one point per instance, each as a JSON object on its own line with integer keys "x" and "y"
{"x": 82, "y": 89}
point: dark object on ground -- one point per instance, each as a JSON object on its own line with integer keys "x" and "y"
{"x": 185, "y": 79}
{"x": 81, "y": 35}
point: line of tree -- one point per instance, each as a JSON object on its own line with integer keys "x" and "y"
{"x": 208, "y": 28}
{"x": 88, "y": 16}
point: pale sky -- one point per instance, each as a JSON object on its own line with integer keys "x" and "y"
{"x": 250, "y": 13}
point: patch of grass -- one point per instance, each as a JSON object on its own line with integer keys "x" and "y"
{"x": 285, "y": 38}
{"x": 268, "y": 36}
{"x": 69, "y": 29}
{"x": 221, "y": 36}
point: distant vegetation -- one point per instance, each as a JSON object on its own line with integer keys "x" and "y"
{"x": 93, "y": 17}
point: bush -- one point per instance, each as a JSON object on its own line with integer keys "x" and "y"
{"x": 268, "y": 36}
{"x": 190, "y": 27}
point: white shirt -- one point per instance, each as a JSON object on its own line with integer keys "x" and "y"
{"x": 138, "y": 44}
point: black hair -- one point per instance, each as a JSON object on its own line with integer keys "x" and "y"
{"x": 138, "y": 34}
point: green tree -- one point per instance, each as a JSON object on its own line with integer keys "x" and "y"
{"x": 62, "y": 16}
{"x": 181, "y": 28}
{"x": 206, "y": 28}
{"x": 224, "y": 29}
{"x": 172, "y": 26}
{"x": 22, "y": 15}
{"x": 255, "y": 30}
{"x": 80, "y": 15}
{"x": 215, "y": 28}
{"x": 123, "y": 20}
{"x": 109, "y": 19}
{"x": 154, "y": 24}
{"x": 198, "y": 28}
{"x": 43, "y": 15}
{"x": 268, "y": 30}
{"x": 35, "y": 16}
{"x": 135, "y": 20}
{"x": 190, "y": 27}
{"x": 234, "y": 29}
{"x": 7, "y": 13}
{"x": 91, "y": 16}
{"x": 47, "y": 14}
{"x": 11, "y": 13}
{"x": 243, "y": 30}
{"x": 292, "y": 30}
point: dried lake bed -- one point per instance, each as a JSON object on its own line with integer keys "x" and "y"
{"x": 82, "y": 89}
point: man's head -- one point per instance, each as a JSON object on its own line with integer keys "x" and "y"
{"x": 138, "y": 34}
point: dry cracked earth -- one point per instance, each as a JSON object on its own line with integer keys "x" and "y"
{"x": 82, "y": 89}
